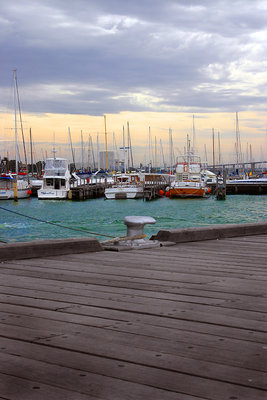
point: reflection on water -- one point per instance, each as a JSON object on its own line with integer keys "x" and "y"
{"x": 106, "y": 216}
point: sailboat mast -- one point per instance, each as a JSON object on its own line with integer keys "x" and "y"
{"x": 97, "y": 149}
{"x": 93, "y": 153}
{"x": 72, "y": 151}
{"x": 206, "y": 156}
{"x": 156, "y": 153}
{"x": 170, "y": 149}
{"x": 194, "y": 136}
{"x": 82, "y": 149}
{"x": 149, "y": 151}
{"x": 15, "y": 116}
{"x": 21, "y": 125}
{"x": 162, "y": 155}
{"x": 16, "y": 142}
{"x": 130, "y": 145}
{"x": 88, "y": 164}
{"x": 219, "y": 147}
{"x": 106, "y": 142}
{"x": 213, "y": 150}
{"x": 124, "y": 149}
{"x": 31, "y": 149}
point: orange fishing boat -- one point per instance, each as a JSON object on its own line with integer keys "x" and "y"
{"x": 188, "y": 181}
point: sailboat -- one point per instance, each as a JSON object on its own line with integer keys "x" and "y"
{"x": 14, "y": 186}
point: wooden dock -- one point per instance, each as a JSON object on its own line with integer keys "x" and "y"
{"x": 185, "y": 322}
{"x": 89, "y": 189}
{"x": 259, "y": 188}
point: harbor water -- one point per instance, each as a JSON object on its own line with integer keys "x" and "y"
{"x": 100, "y": 217}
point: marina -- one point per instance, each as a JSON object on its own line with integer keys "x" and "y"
{"x": 183, "y": 322}
{"x": 133, "y": 200}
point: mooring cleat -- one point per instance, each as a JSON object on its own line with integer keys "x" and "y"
{"x": 135, "y": 224}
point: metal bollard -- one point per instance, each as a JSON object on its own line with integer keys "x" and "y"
{"x": 135, "y": 224}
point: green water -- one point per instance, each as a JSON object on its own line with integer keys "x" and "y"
{"x": 106, "y": 216}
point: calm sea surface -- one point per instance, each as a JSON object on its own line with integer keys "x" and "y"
{"x": 105, "y": 217}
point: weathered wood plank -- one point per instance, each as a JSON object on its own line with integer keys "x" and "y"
{"x": 127, "y": 322}
{"x": 197, "y": 312}
{"x": 122, "y": 369}
{"x": 256, "y": 303}
{"x": 152, "y": 380}
{"x": 13, "y": 387}
{"x": 184, "y": 264}
{"x": 197, "y": 292}
{"x": 84, "y": 382}
{"x": 227, "y": 350}
{"x": 128, "y": 275}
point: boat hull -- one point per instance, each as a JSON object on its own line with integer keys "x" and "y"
{"x": 187, "y": 192}
{"x": 121, "y": 193}
{"x": 52, "y": 194}
{"x": 7, "y": 189}
{"x": 9, "y": 194}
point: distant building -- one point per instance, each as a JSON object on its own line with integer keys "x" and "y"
{"x": 111, "y": 160}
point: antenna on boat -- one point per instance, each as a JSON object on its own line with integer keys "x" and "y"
{"x": 54, "y": 146}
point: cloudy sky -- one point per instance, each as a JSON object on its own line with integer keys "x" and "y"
{"x": 95, "y": 57}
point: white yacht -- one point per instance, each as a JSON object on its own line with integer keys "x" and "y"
{"x": 56, "y": 180}
{"x": 7, "y": 189}
{"x": 125, "y": 186}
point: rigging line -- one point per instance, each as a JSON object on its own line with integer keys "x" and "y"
{"x": 53, "y": 223}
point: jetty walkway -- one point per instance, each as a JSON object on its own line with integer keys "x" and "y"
{"x": 180, "y": 322}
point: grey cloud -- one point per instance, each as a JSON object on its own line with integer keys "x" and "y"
{"x": 182, "y": 54}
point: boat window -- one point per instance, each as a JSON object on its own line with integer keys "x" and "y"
{"x": 49, "y": 181}
{"x": 62, "y": 182}
{"x": 57, "y": 184}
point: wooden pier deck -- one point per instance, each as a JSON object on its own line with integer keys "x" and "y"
{"x": 185, "y": 322}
